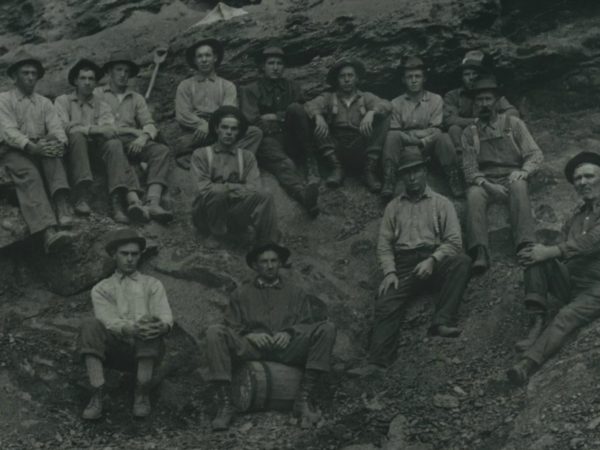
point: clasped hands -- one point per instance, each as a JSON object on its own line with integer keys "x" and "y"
{"x": 499, "y": 191}
{"x": 146, "y": 328}
{"x": 265, "y": 341}
{"x": 47, "y": 147}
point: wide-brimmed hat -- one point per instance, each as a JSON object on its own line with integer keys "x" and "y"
{"x": 271, "y": 51}
{"x": 577, "y": 160}
{"x": 485, "y": 83}
{"x": 283, "y": 252}
{"x": 225, "y": 111}
{"x": 412, "y": 63}
{"x": 115, "y": 238}
{"x": 84, "y": 64}
{"x": 332, "y": 75}
{"x": 411, "y": 156}
{"x": 216, "y": 45}
{"x": 26, "y": 60}
{"x": 119, "y": 57}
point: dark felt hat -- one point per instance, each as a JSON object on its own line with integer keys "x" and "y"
{"x": 577, "y": 160}
{"x": 216, "y": 45}
{"x": 224, "y": 111}
{"x": 485, "y": 83}
{"x": 119, "y": 57}
{"x": 283, "y": 252}
{"x": 26, "y": 60}
{"x": 115, "y": 238}
{"x": 271, "y": 51}
{"x": 411, "y": 156}
{"x": 413, "y": 62}
{"x": 84, "y": 64}
{"x": 333, "y": 73}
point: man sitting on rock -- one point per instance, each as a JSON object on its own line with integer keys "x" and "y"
{"x": 499, "y": 157}
{"x": 132, "y": 315}
{"x": 34, "y": 142}
{"x": 137, "y": 131}
{"x": 199, "y": 96}
{"x": 419, "y": 246}
{"x": 350, "y": 124}
{"x": 273, "y": 103}
{"x": 269, "y": 319}
{"x": 90, "y": 125}
{"x": 459, "y": 109}
{"x": 570, "y": 271}
{"x": 416, "y": 120}
{"x": 228, "y": 182}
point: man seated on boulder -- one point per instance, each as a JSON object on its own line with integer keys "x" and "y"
{"x": 199, "y": 96}
{"x": 228, "y": 182}
{"x": 33, "y": 143}
{"x": 350, "y": 124}
{"x": 274, "y": 104}
{"x": 137, "y": 131}
{"x": 417, "y": 120}
{"x": 419, "y": 246}
{"x": 459, "y": 109}
{"x": 269, "y": 319}
{"x": 131, "y": 317}
{"x": 570, "y": 271}
{"x": 499, "y": 157}
{"x": 90, "y": 125}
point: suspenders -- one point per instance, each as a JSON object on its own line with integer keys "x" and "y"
{"x": 240, "y": 158}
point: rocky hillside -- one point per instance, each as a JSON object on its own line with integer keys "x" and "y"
{"x": 440, "y": 394}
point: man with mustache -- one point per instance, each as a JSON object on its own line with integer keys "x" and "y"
{"x": 570, "y": 271}
{"x": 499, "y": 156}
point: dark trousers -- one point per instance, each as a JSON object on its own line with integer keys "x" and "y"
{"x": 310, "y": 346}
{"x": 26, "y": 174}
{"x": 157, "y": 156}
{"x": 220, "y": 210}
{"x": 113, "y": 350}
{"x": 521, "y": 219}
{"x": 455, "y": 133}
{"x": 282, "y": 143}
{"x": 451, "y": 276}
{"x": 120, "y": 174}
{"x": 441, "y": 147}
{"x": 577, "y": 285}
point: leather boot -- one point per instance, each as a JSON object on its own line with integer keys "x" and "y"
{"x": 481, "y": 261}
{"x": 520, "y": 372}
{"x": 55, "y": 240}
{"x": 303, "y": 408}
{"x": 389, "y": 180}
{"x": 93, "y": 410}
{"x": 118, "y": 213}
{"x": 138, "y": 212}
{"x": 311, "y": 199}
{"x": 63, "y": 210}
{"x": 226, "y": 411}
{"x": 373, "y": 184}
{"x": 157, "y": 212}
{"x": 336, "y": 177}
{"x": 82, "y": 207}
{"x": 141, "y": 401}
{"x": 535, "y": 329}
{"x": 455, "y": 181}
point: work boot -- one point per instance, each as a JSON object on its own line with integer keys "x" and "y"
{"x": 481, "y": 261}
{"x": 389, "y": 181}
{"x": 138, "y": 212}
{"x": 311, "y": 198}
{"x": 303, "y": 408}
{"x": 535, "y": 329}
{"x": 367, "y": 371}
{"x": 141, "y": 402}
{"x": 82, "y": 207}
{"x": 157, "y": 212}
{"x": 226, "y": 411}
{"x": 55, "y": 240}
{"x": 93, "y": 411}
{"x": 336, "y": 177}
{"x": 373, "y": 184}
{"x": 520, "y": 372}
{"x": 455, "y": 181}
{"x": 63, "y": 210}
{"x": 312, "y": 170}
{"x": 445, "y": 331}
{"x": 118, "y": 213}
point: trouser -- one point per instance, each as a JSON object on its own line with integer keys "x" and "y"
{"x": 28, "y": 174}
{"x": 451, "y": 275}
{"x": 310, "y": 345}
{"x": 282, "y": 143}
{"x": 187, "y": 144}
{"x": 455, "y": 133}
{"x": 577, "y": 285}
{"x": 441, "y": 147}
{"x": 521, "y": 218}
{"x": 119, "y": 172}
{"x": 115, "y": 351}
{"x": 158, "y": 158}
{"x": 220, "y": 210}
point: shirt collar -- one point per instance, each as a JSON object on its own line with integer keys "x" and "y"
{"x": 200, "y": 78}
{"x": 590, "y": 207}
{"x": 121, "y": 276}
{"x": 218, "y": 149}
{"x": 73, "y": 97}
{"x": 20, "y": 95}
{"x": 427, "y": 193}
{"x": 424, "y": 98}
{"x": 262, "y": 284}
{"x": 107, "y": 88}
{"x": 353, "y": 99}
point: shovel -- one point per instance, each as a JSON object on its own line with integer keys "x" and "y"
{"x": 160, "y": 54}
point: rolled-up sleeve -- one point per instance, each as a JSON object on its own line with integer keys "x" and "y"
{"x": 387, "y": 239}
{"x": 450, "y": 234}
{"x": 9, "y": 127}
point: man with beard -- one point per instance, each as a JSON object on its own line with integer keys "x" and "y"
{"x": 499, "y": 156}
{"x": 274, "y": 104}
{"x": 570, "y": 271}
{"x": 90, "y": 125}
{"x": 458, "y": 103}
{"x": 419, "y": 247}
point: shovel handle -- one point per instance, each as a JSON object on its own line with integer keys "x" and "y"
{"x": 160, "y": 54}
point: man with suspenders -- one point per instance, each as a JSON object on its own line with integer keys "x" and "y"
{"x": 228, "y": 182}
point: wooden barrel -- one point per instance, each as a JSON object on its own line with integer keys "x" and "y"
{"x": 262, "y": 385}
